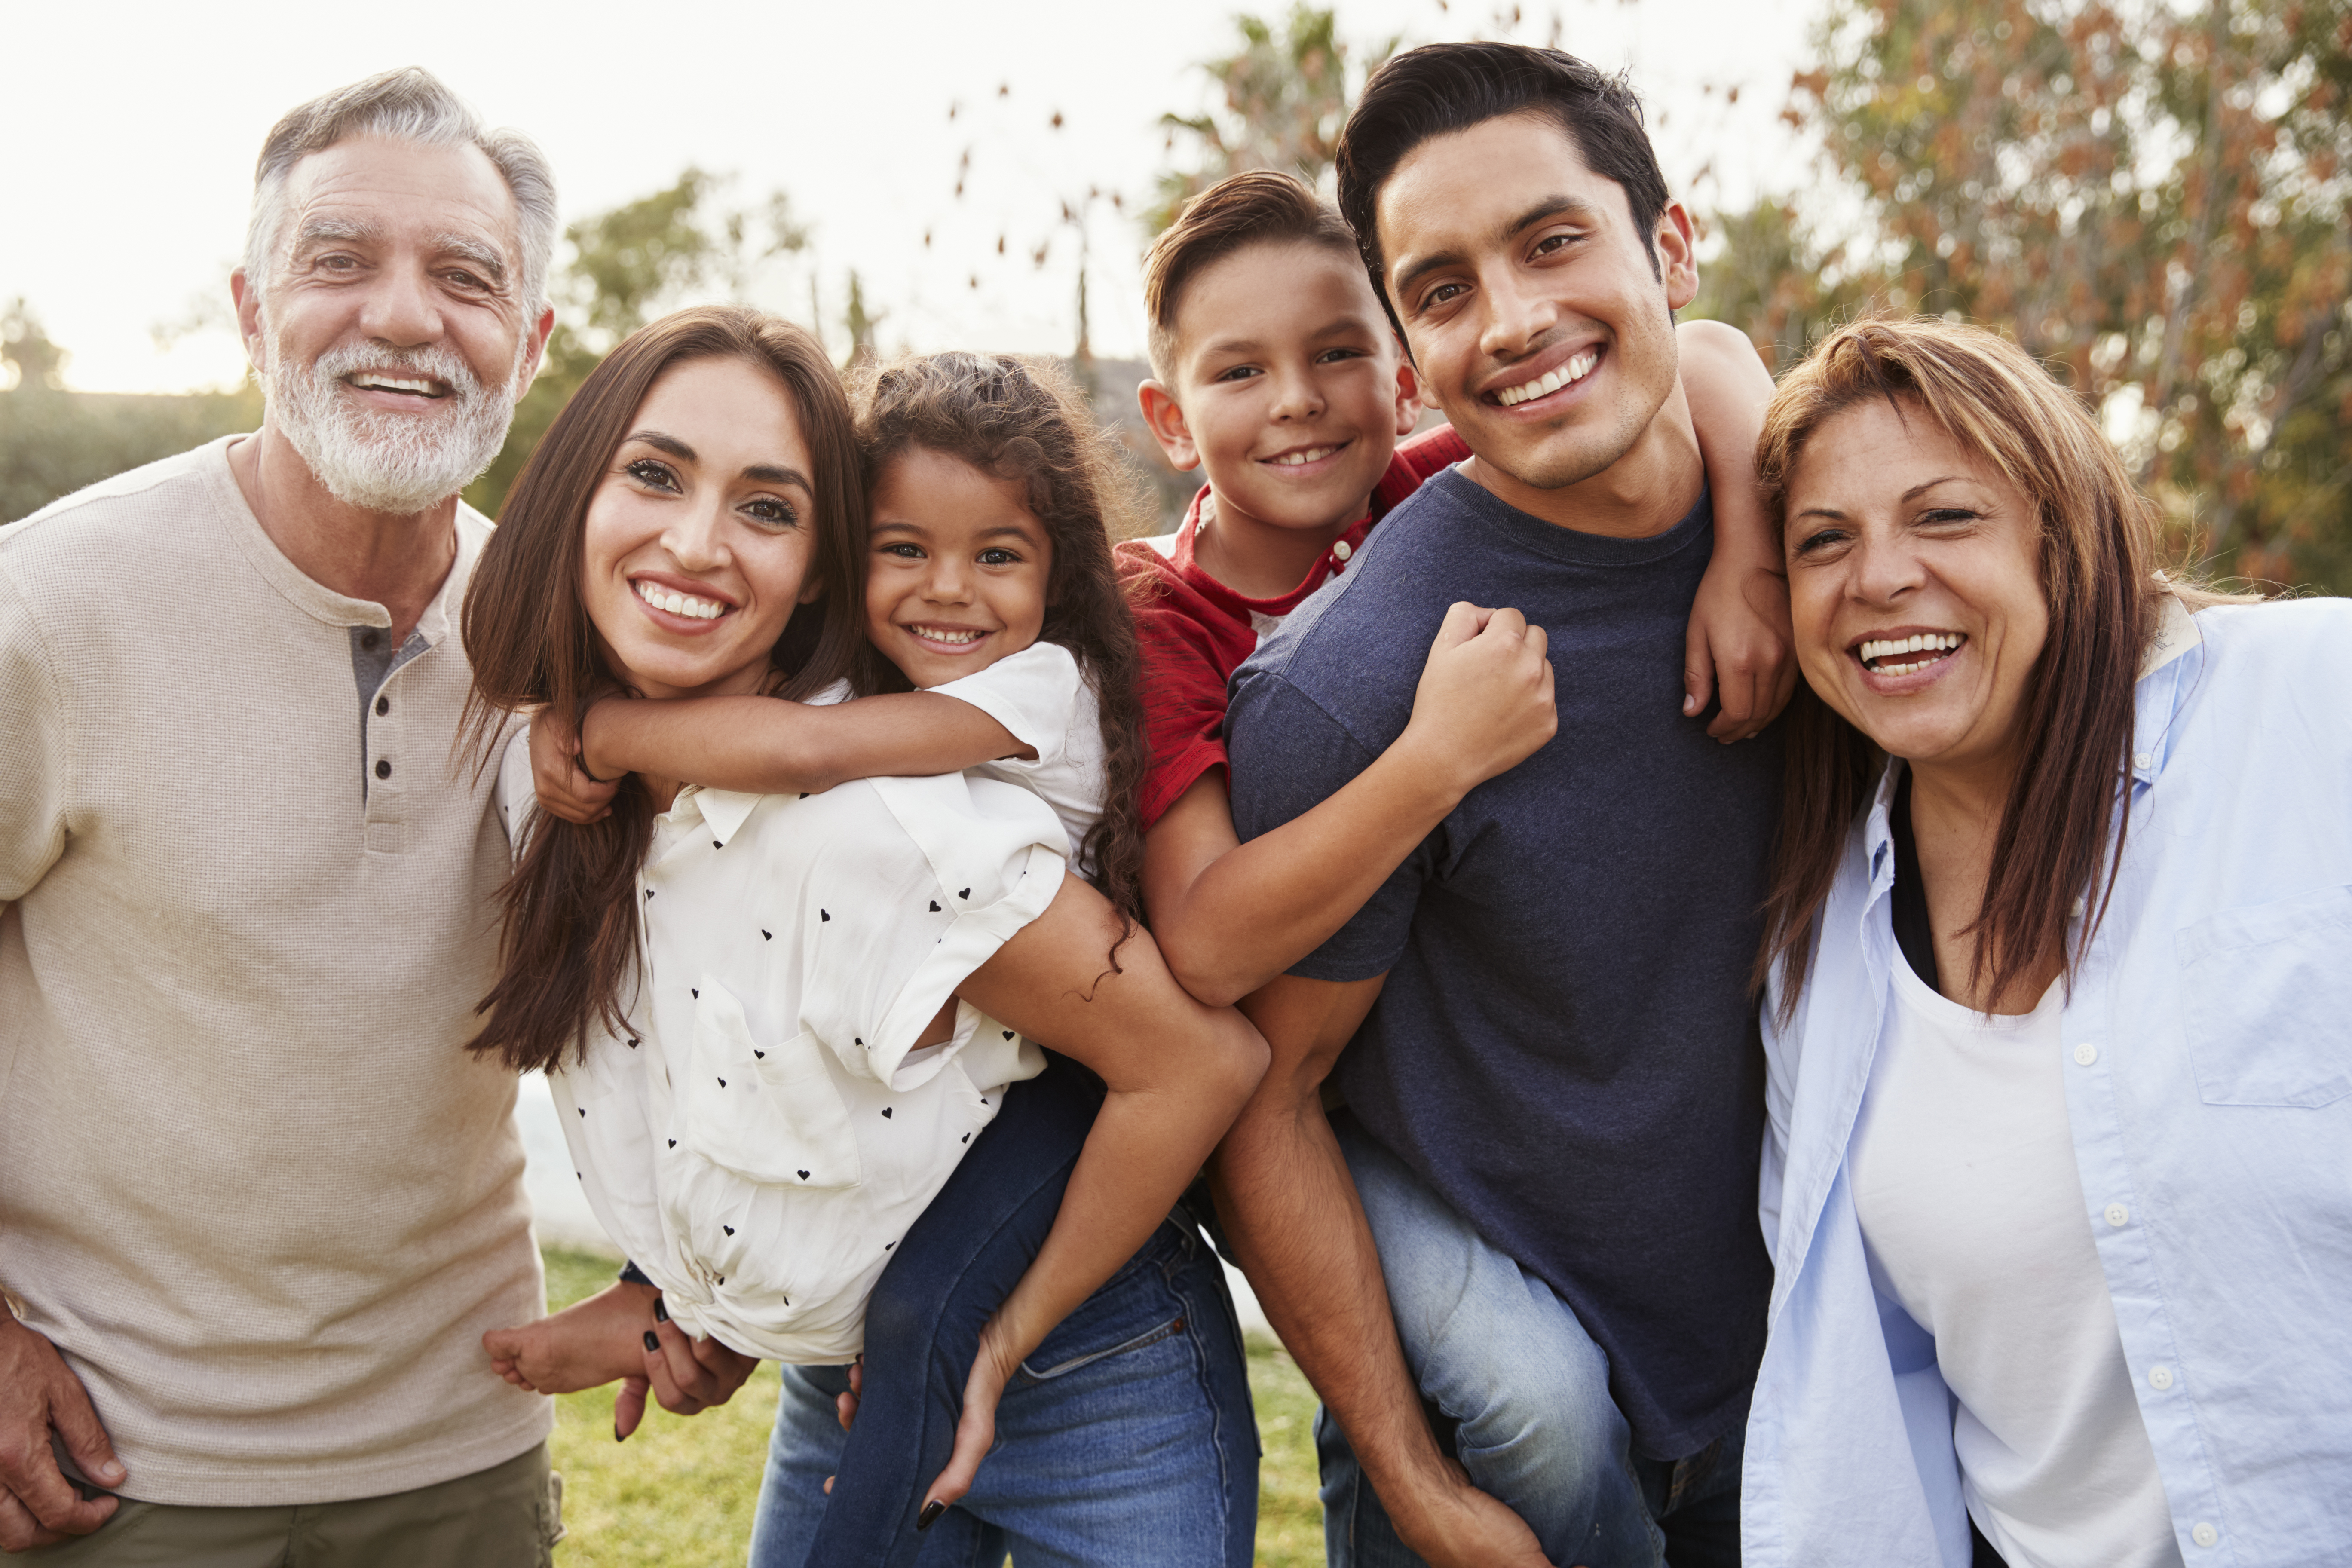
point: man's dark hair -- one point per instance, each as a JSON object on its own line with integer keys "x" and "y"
{"x": 1259, "y": 206}
{"x": 1439, "y": 88}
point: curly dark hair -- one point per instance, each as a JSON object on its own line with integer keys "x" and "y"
{"x": 1023, "y": 421}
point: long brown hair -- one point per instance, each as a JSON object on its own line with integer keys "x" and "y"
{"x": 568, "y": 948}
{"x": 1023, "y": 421}
{"x": 2098, "y": 557}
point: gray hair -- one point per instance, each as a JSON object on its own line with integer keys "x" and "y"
{"x": 411, "y": 105}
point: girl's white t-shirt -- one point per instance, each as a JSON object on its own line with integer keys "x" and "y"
{"x": 1972, "y": 1206}
{"x": 1042, "y": 696}
{"x": 764, "y": 1135}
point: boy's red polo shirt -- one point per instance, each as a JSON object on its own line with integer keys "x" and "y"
{"x": 1195, "y": 631}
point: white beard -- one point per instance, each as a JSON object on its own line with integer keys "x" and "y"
{"x": 381, "y": 461}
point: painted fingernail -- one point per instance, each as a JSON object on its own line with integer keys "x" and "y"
{"x": 661, "y": 1311}
{"x": 616, "y": 1431}
{"x": 930, "y": 1514}
{"x": 653, "y": 1340}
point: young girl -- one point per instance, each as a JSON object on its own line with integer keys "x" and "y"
{"x": 764, "y": 1012}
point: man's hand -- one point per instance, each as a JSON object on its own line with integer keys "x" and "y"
{"x": 686, "y": 1375}
{"x": 39, "y": 1507}
{"x": 1739, "y": 647}
{"x": 1453, "y": 1524}
{"x": 1485, "y": 702}
{"x": 564, "y": 790}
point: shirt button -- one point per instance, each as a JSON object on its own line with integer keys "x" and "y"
{"x": 1341, "y": 551}
{"x": 2205, "y": 1535}
{"x": 2080, "y": 907}
{"x": 2086, "y": 1053}
{"x": 2142, "y": 761}
{"x": 2118, "y": 1216}
{"x": 383, "y": 768}
{"x": 2160, "y": 1378}
{"x": 383, "y": 706}
{"x": 371, "y": 640}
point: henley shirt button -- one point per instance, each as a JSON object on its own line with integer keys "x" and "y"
{"x": 383, "y": 706}
{"x": 2205, "y": 1535}
{"x": 1341, "y": 551}
{"x": 2086, "y": 1053}
{"x": 2118, "y": 1216}
{"x": 383, "y": 768}
{"x": 2160, "y": 1378}
{"x": 371, "y": 640}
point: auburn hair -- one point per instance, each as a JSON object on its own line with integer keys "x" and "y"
{"x": 1257, "y": 207}
{"x": 1023, "y": 421}
{"x": 2062, "y": 827}
{"x": 568, "y": 951}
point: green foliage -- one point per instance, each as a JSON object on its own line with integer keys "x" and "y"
{"x": 1287, "y": 94}
{"x": 54, "y": 443}
{"x": 2153, "y": 200}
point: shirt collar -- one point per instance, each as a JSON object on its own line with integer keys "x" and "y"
{"x": 722, "y": 811}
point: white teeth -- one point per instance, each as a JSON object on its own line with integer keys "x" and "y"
{"x": 685, "y": 605}
{"x": 394, "y": 383}
{"x": 1576, "y": 369}
{"x": 946, "y": 635}
{"x": 1919, "y": 642}
{"x": 1312, "y": 455}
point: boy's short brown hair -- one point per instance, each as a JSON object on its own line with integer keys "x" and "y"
{"x": 1257, "y": 207}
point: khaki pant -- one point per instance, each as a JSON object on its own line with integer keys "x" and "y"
{"x": 508, "y": 1516}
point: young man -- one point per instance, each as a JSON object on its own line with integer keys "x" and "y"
{"x": 1277, "y": 374}
{"x": 1537, "y": 1211}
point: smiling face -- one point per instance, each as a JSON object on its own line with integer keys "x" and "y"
{"x": 696, "y": 545}
{"x": 1536, "y": 319}
{"x": 1288, "y": 387}
{"x": 1915, "y": 582}
{"x": 958, "y": 569}
{"x": 392, "y": 329}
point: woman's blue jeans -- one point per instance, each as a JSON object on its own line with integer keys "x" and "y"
{"x": 1127, "y": 1438}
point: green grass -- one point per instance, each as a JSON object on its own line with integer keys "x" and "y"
{"x": 679, "y": 1493}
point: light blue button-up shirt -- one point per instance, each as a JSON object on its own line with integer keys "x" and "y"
{"x": 2208, "y": 1061}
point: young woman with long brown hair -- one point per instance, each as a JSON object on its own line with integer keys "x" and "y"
{"x": 771, "y": 1016}
{"x": 2058, "y": 989}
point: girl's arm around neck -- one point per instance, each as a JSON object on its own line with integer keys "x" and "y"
{"x": 1231, "y": 916}
{"x": 1740, "y": 648}
{"x": 763, "y": 745}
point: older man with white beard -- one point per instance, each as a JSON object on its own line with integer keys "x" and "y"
{"x": 257, "y": 1203}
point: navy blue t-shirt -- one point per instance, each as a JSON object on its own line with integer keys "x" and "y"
{"x": 1566, "y": 1048}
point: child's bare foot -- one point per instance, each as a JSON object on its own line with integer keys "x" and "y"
{"x": 584, "y": 1346}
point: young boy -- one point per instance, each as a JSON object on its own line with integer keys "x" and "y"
{"x": 1277, "y": 371}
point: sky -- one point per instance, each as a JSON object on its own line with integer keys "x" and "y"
{"x": 130, "y": 130}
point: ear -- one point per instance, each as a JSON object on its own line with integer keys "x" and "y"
{"x": 1166, "y": 417}
{"x": 535, "y": 356}
{"x": 1675, "y": 242}
{"x": 247, "y": 301}
{"x": 1408, "y": 399}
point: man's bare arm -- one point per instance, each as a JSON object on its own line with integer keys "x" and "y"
{"x": 1291, "y": 1211}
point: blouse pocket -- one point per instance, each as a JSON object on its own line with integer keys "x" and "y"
{"x": 2268, "y": 990}
{"x": 767, "y": 1112}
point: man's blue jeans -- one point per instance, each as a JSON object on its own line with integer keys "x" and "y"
{"x": 1127, "y": 1438}
{"x": 1519, "y": 1387}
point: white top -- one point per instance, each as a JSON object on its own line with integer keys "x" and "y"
{"x": 1971, "y": 1206}
{"x": 1041, "y": 696}
{"x": 761, "y": 1145}
{"x": 252, "y": 1184}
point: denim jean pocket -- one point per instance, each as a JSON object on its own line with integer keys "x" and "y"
{"x": 1134, "y": 1309}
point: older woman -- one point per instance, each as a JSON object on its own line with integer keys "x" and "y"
{"x": 2059, "y": 1011}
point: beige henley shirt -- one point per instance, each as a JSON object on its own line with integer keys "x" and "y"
{"x": 251, "y": 1184}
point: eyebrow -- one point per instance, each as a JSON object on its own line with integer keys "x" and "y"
{"x": 1551, "y": 206}
{"x": 763, "y": 473}
{"x": 484, "y": 257}
{"x": 319, "y": 230}
{"x": 1914, "y": 493}
{"x": 1336, "y": 327}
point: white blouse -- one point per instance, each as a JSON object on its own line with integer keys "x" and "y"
{"x": 1042, "y": 696}
{"x": 1972, "y": 1210}
{"x": 760, "y": 1141}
